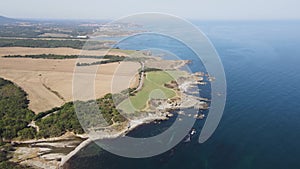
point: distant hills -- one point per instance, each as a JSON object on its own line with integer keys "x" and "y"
{"x": 7, "y": 20}
{"x": 4, "y": 20}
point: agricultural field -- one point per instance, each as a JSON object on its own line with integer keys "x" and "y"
{"x": 5, "y": 51}
{"x": 48, "y": 82}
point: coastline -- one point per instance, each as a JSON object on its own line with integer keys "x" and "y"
{"x": 45, "y": 153}
{"x": 186, "y": 102}
{"x": 56, "y": 152}
{"x": 132, "y": 125}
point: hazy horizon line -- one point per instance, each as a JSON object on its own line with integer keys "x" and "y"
{"x": 111, "y": 19}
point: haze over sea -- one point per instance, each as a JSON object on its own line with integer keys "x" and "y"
{"x": 260, "y": 128}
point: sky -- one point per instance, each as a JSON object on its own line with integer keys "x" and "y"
{"x": 189, "y": 9}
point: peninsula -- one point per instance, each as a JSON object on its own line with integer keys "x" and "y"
{"x": 50, "y": 138}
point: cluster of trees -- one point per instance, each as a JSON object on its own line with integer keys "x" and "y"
{"x": 120, "y": 97}
{"x": 110, "y": 59}
{"x": 99, "y": 113}
{"x": 43, "y": 56}
{"x": 59, "y": 122}
{"x": 148, "y": 69}
{"x": 76, "y": 44}
{"x": 37, "y": 28}
{"x": 45, "y": 113}
{"x": 109, "y": 111}
{"x": 51, "y": 56}
{"x": 18, "y": 31}
{"x": 14, "y": 113}
{"x": 65, "y": 118}
{"x": 14, "y": 118}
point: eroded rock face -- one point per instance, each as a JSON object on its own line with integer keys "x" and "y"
{"x": 45, "y": 153}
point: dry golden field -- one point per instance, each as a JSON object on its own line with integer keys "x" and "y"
{"x": 48, "y": 82}
{"x": 56, "y": 51}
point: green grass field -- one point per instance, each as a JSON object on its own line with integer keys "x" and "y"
{"x": 153, "y": 88}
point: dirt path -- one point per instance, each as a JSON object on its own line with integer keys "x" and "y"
{"x": 142, "y": 76}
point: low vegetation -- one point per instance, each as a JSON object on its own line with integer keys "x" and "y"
{"x": 5, "y": 155}
{"x": 105, "y": 116}
{"x": 109, "y": 59}
{"x": 154, "y": 81}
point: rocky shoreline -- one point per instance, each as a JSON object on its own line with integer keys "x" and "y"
{"x": 55, "y": 153}
{"x": 104, "y": 135}
{"x": 45, "y": 153}
{"x": 161, "y": 113}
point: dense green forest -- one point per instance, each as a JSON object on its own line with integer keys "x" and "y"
{"x": 77, "y": 44}
{"x": 35, "y": 29}
{"x": 59, "y": 122}
{"x": 14, "y": 112}
{"x": 38, "y": 43}
{"x": 18, "y": 31}
{"x": 14, "y": 118}
{"x": 65, "y": 119}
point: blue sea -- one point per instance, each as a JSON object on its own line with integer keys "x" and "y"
{"x": 260, "y": 127}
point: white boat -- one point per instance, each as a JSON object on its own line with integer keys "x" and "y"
{"x": 193, "y": 132}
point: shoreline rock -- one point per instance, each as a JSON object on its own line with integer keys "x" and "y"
{"x": 132, "y": 125}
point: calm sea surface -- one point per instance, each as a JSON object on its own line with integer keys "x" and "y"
{"x": 260, "y": 128}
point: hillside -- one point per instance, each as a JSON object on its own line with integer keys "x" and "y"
{"x": 6, "y": 20}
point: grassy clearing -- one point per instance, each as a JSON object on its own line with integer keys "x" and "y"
{"x": 153, "y": 88}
